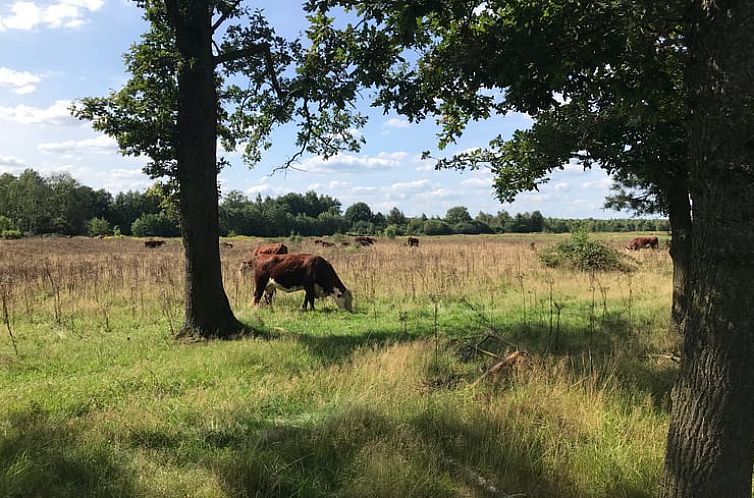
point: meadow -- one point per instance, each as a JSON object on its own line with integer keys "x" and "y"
{"x": 99, "y": 398}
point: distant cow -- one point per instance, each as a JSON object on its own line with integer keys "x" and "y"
{"x": 318, "y": 242}
{"x": 641, "y": 242}
{"x": 364, "y": 241}
{"x": 345, "y": 244}
{"x": 293, "y": 272}
{"x": 276, "y": 248}
{"x": 226, "y": 244}
{"x": 152, "y": 244}
{"x": 412, "y": 242}
{"x": 327, "y": 244}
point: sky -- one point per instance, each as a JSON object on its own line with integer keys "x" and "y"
{"x": 53, "y": 52}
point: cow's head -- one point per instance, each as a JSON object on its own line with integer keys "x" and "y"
{"x": 344, "y": 299}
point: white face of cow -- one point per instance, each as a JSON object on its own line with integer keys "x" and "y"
{"x": 344, "y": 299}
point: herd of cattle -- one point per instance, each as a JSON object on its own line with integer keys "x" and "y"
{"x": 275, "y": 269}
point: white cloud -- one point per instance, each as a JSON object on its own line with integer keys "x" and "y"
{"x": 415, "y": 186}
{"x": 9, "y": 164}
{"x": 20, "y": 82}
{"x": 55, "y": 115}
{"x": 599, "y": 184}
{"x": 477, "y": 182}
{"x": 349, "y": 162}
{"x": 102, "y": 144}
{"x": 396, "y": 123}
{"x": 560, "y": 186}
{"x": 24, "y": 15}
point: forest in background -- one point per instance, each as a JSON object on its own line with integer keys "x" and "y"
{"x": 33, "y": 204}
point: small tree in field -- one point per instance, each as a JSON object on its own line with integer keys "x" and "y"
{"x": 98, "y": 227}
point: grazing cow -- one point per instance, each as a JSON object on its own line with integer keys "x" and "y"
{"x": 152, "y": 244}
{"x": 413, "y": 242}
{"x": 641, "y": 242}
{"x": 345, "y": 244}
{"x": 327, "y": 244}
{"x": 364, "y": 241}
{"x": 292, "y": 272}
{"x": 276, "y": 248}
{"x": 318, "y": 242}
{"x": 226, "y": 244}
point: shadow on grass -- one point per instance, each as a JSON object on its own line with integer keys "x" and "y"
{"x": 611, "y": 346}
{"x": 44, "y": 457}
{"x": 361, "y": 453}
{"x": 332, "y": 349}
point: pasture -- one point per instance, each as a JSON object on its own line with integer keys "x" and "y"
{"x": 98, "y": 398}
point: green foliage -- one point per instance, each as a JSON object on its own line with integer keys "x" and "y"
{"x": 6, "y": 223}
{"x": 359, "y": 211}
{"x": 155, "y": 225}
{"x": 263, "y": 81}
{"x": 11, "y": 233}
{"x": 437, "y": 227}
{"x": 585, "y": 254}
{"x": 456, "y": 215}
{"x": 607, "y": 94}
{"x": 396, "y": 217}
{"x": 97, "y": 227}
{"x": 391, "y": 231}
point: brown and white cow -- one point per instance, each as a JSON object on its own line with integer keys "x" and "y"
{"x": 641, "y": 242}
{"x": 274, "y": 248}
{"x": 412, "y": 242}
{"x": 293, "y": 272}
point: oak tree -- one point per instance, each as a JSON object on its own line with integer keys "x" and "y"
{"x": 658, "y": 93}
{"x": 209, "y": 69}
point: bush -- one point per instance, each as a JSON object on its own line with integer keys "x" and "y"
{"x": 154, "y": 225}
{"x": 466, "y": 227}
{"x": 97, "y": 227}
{"x": 391, "y": 231}
{"x": 6, "y": 224}
{"x": 437, "y": 227}
{"x": 11, "y": 234}
{"x": 585, "y": 254}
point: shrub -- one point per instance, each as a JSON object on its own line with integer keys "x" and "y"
{"x": 11, "y": 234}
{"x": 583, "y": 253}
{"x": 391, "y": 231}
{"x": 97, "y": 227}
{"x": 437, "y": 227}
{"x": 6, "y": 224}
{"x": 154, "y": 225}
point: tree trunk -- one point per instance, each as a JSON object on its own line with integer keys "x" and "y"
{"x": 208, "y": 311}
{"x": 711, "y": 439}
{"x": 679, "y": 213}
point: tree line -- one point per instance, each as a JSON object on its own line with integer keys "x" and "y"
{"x": 33, "y": 204}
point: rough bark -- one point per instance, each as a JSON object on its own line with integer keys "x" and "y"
{"x": 711, "y": 439}
{"x": 679, "y": 214}
{"x": 208, "y": 311}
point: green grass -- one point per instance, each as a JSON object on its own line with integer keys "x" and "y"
{"x": 379, "y": 403}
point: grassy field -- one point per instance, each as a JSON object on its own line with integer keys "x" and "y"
{"x": 99, "y": 399}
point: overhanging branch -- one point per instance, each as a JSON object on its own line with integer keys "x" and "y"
{"x": 224, "y": 15}
{"x": 262, "y": 49}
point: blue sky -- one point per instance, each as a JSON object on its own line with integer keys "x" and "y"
{"x": 55, "y": 51}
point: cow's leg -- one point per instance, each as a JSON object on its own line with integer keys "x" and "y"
{"x": 269, "y": 293}
{"x": 309, "y": 297}
{"x": 260, "y": 283}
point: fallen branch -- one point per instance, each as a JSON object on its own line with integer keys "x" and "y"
{"x": 666, "y": 356}
{"x": 510, "y": 360}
